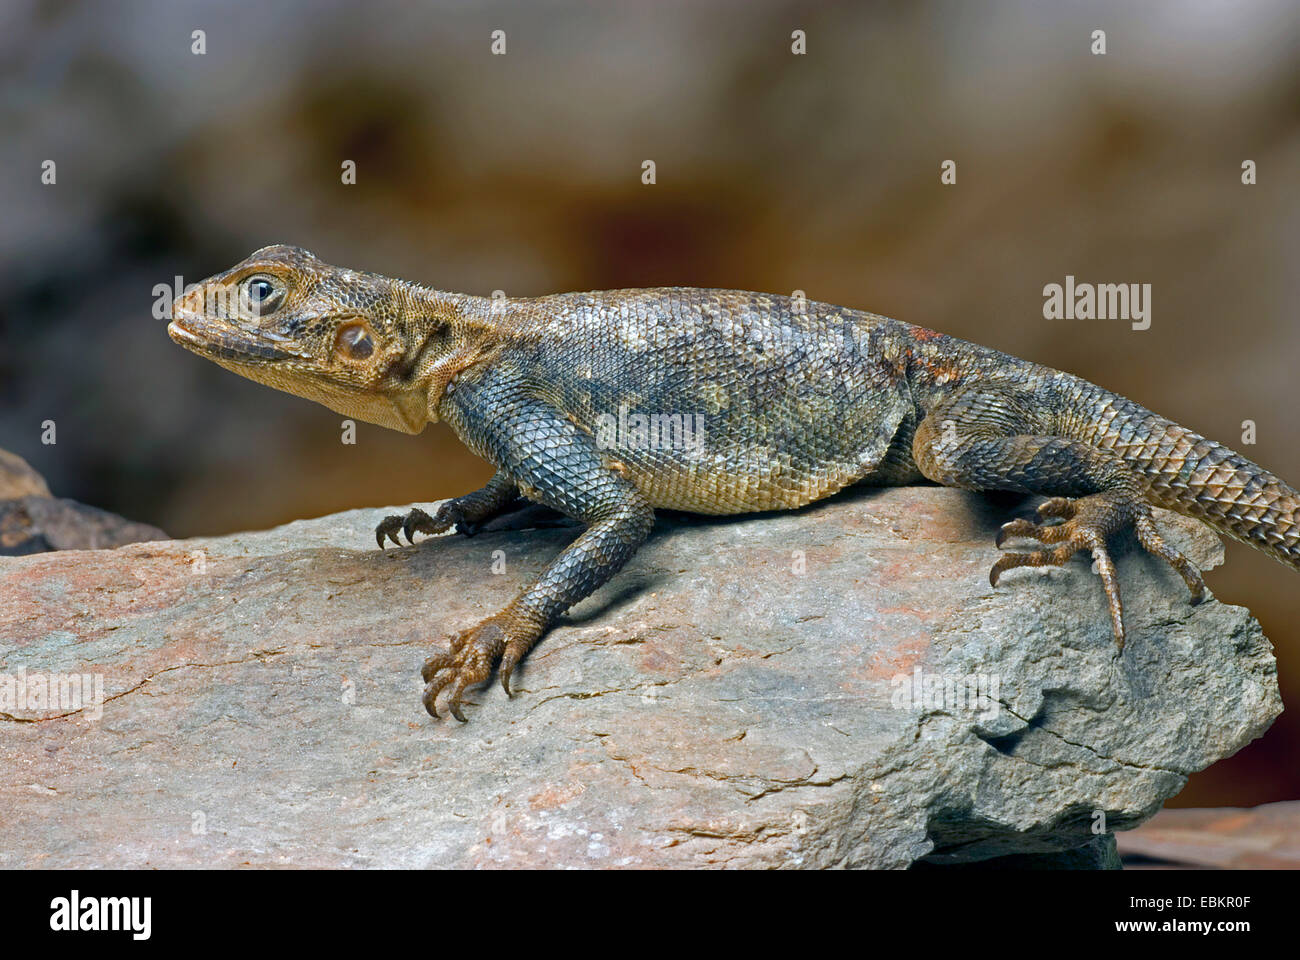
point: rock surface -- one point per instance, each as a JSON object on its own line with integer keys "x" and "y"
{"x": 40, "y": 524}
{"x": 740, "y": 695}
{"x": 33, "y": 521}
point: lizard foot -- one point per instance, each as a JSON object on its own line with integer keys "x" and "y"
{"x": 470, "y": 659}
{"x": 1085, "y": 523}
{"x": 448, "y": 515}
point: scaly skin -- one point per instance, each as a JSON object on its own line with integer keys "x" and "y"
{"x": 789, "y": 401}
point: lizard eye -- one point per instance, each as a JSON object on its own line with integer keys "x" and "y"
{"x": 263, "y": 294}
{"x": 356, "y": 340}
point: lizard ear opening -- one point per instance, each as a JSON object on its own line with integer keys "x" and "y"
{"x": 354, "y": 340}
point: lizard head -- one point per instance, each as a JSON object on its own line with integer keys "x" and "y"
{"x": 362, "y": 344}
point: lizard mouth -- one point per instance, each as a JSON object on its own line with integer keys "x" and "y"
{"x": 183, "y": 336}
{"x": 226, "y": 341}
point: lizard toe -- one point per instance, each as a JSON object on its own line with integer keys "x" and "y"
{"x": 514, "y": 652}
{"x": 1043, "y": 533}
{"x": 1031, "y": 558}
{"x": 1151, "y": 540}
{"x": 1090, "y": 520}
{"x": 388, "y": 527}
{"x": 1062, "y": 508}
{"x": 417, "y": 521}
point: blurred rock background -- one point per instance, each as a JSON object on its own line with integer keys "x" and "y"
{"x": 523, "y": 173}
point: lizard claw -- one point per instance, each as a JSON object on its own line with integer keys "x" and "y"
{"x": 1086, "y": 523}
{"x": 388, "y": 527}
{"x": 515, "y": 649}
{"x": 415, "y": 521}
{"x": 469, "y": 660}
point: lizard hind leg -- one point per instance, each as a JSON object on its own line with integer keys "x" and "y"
{"x": 1086, "y": 523}
{"x": 1002, "y": 439}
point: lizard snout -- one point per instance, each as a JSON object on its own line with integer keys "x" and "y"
{"x": 187, "y": 317}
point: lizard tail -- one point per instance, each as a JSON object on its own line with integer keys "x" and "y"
{"x": 1185, "y": 472}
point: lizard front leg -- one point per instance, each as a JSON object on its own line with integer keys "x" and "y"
{"x": 556, "y": 464}
{"x": 466, "y": 513}
{"x": 988, "y": 440}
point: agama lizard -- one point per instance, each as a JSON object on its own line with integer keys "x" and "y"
{"x": 794, "y": 400}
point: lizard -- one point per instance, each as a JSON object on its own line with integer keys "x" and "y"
{"x": 795, "y": 400}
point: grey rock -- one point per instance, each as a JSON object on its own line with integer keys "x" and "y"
{"x": 36, "y": 524}
{"x": 738, "y": 696}
{"x": 1098, "y": 854}
{"x": 19, "y": 479}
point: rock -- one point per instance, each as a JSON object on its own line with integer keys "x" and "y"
{"x": 35, "y": 524}
{"x": 18, "y": 479}
{"x": 1098, "y": 854}
{"x": 1266, "y": 837}
{"x": 740, "y": 695}
{"x": 33, "y": 521}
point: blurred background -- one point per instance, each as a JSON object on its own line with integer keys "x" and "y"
{"x": 522, "y": 172}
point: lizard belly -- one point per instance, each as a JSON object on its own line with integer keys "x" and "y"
{"x": 755, "y": 484}
{"x": 751, "y": 476}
